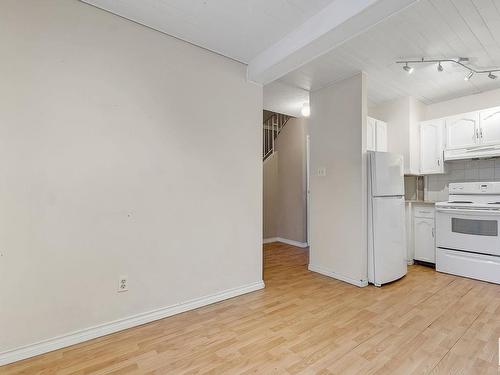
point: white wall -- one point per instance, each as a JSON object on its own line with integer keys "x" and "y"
{"x": 464, "y": 104}
{"x": 417, "y": 113}
{"x": 122, "y": 152}
{"x": 338, "y": 200}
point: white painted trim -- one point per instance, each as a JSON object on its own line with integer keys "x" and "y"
{"x": 285, "y": 240}
{"x": 292, "y": 242}
{"x": 90, "y": 333}
{"x": 324, "y": 271}
{"x": 270, "y": 240}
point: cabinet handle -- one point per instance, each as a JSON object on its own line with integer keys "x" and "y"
{"x": 433, "y": 233}
{"x": 439, "y": 163}
{"x": 481, "y": 132}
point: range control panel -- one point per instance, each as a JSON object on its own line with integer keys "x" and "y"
{"x": 458, "y": 188}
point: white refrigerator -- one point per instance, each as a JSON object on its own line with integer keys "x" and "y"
{"x": 386, "y": 218}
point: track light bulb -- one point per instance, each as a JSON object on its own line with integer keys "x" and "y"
{"x": 492, "y": 76}
{"x": 408, "y": 69}
{"x": 469, "y": 76}
{"x": 440, "y": 67}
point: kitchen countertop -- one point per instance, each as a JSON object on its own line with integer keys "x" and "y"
{"x": 419, "y": 201}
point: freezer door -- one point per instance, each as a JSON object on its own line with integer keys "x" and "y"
{"x": 387, "y": 174}
{"x": 389, "y": 239}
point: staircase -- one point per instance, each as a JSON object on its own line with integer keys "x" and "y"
{"x": 272, "y": 128}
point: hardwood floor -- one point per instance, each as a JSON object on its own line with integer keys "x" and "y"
{"x": 306, "y": 323}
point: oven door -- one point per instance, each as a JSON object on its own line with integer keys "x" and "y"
{"x": 471, "y": 230}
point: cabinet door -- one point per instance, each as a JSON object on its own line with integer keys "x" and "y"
{"x": 462, "y": 131}
{"x": 425, "y": 248}
{"x": 431, "y": 147}
{"x": 489, "y": 131}
{"x": 371, "y": 125}
{"x": 381, "y": 136}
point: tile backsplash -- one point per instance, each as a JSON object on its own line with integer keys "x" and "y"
{"x": 436, "y": 186}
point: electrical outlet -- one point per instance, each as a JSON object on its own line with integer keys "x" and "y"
{"x": 123, "y": 284}
{"x": 321, "y": 172}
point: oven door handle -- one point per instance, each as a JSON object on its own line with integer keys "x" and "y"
{"x": 469, "y": 212}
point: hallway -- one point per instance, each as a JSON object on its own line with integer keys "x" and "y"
{"x": 306, "y": 323}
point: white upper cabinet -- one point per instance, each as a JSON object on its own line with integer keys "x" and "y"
{"x": 371, "y": 124}
{"x": 431, "y": 147}
{"x": 489, "y": 131}
{"x": 462, "y": 131}
{"x": 381, "y": 136}
{"x": 376, "y": 135}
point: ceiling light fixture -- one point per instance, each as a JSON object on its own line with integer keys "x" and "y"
{"x": 306, "y": 110}
{"x": 408, "y": 69}
{"x": 461, "y": 61}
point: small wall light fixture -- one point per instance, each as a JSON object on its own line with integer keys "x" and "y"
{"x": 306, "y": 110}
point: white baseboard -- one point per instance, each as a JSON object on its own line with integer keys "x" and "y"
{"x": 324, "y": 271}
{"x": 285, "y": 240}
{"x": 270, "y": 240}
{"x": 120, "y": 324}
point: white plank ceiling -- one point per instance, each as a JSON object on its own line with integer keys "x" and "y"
{"x": 239, "y": 29}
{"x": 430, "y": 28}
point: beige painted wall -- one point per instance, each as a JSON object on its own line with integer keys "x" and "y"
{"x": 270, "y": 198}
{"x": 292, "y": 213}
{"x": 116, "y": 159}
{"x": 338, "y": 200}
{"x": 285, "y": 209}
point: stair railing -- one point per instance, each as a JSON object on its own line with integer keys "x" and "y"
{"x": 272, "y": 128}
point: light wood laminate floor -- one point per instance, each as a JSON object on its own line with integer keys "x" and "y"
{"x": 306, "y": 323}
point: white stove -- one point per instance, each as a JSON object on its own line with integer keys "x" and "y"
{"x": 468, "y": 231}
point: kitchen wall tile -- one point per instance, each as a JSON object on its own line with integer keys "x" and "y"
{"x": 472, "y": 175}
{"x": 488, "y": 163}
{"x": 436, "y": 186}
{"x": 457, "y": 175}
{"x": 459, "y": 164}
{"x": 486, "y": 174}
{"x": 471, "y": 164}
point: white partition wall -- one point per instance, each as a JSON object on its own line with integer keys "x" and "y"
{"x": 338, "y": 181}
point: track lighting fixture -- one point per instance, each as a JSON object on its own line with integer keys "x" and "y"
{"x": 461, "y": 61}
{"x": 408, "y": 69}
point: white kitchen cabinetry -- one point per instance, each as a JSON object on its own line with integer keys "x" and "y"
{"x": 381, "y": 136}
{"x": 462, "y": 131}
{"x": 371, "y": 125}
{"x": 376, "y": 135}
{"x": 431, "y": 147}
{"x": 489, "y": 130}
{"x": 424, "y": 233}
